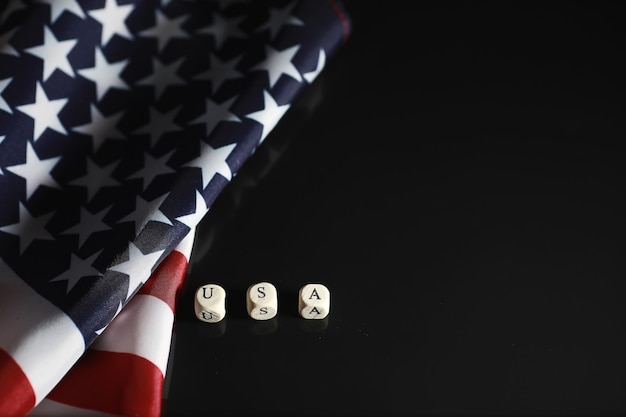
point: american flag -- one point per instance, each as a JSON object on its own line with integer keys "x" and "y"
{"x": 121, "y": 121}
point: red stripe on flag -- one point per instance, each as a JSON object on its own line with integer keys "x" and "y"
{"x": 111, "y": 382}
{"x": 18, "y": 397}
{"x": 167, "y": 279}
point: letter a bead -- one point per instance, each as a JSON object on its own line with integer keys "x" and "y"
{"x": 262, "y": 301}
{"x": 314, "y": 301}
{"x": 210, "y": 303}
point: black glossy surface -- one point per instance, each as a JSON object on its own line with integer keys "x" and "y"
{"x": 455, "y": 177}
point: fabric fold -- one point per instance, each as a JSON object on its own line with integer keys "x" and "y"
{"x": 120, "y": 124}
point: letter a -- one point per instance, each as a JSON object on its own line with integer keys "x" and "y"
{"x": 315, "y": 294}
{"x": 314, "y": 310}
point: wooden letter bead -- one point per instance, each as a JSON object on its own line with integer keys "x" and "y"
{"x": 262, "y": 301}
{"x": 314, "y": 301}
{"x": 210, "y": 303}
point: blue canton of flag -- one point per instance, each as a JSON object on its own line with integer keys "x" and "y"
{"x": 121, "y": 121}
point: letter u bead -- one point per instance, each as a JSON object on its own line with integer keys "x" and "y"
{"x": 210, "y": 303}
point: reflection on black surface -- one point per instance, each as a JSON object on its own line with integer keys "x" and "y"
{"x": 211, "y": 330}
{"x": 212, "y": 228}
{"x": 314, "y": 326}
{"x": 460, "y": 191}
{"x": 243, "y": 186}
{"x": 263, "y": 327}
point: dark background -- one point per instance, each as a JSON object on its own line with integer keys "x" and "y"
{"x": 455, "y": 178}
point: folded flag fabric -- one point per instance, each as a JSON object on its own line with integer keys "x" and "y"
{"x": 121, "y": 121}
{"x": 122, "y": 372}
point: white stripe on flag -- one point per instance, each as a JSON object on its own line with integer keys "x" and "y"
{"x": 142, "y": 328}
{"x": 43, "y": 341}
{"x": 186, "y": 245}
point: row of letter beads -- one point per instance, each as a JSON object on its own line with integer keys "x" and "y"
{"x": 261, "y": 302}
